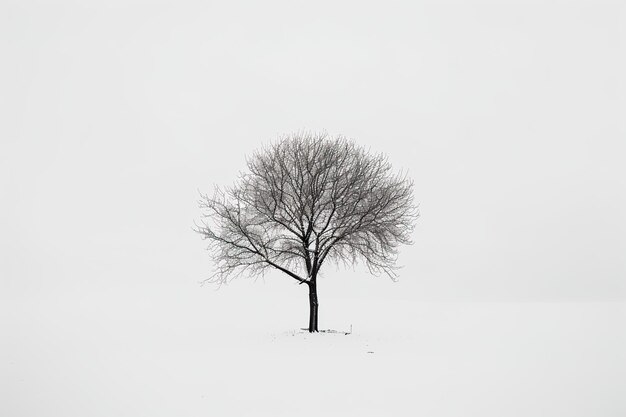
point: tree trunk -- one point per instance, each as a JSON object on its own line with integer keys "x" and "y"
{"x": 313, "y": 305}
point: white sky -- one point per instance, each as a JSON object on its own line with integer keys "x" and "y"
{"x": 509, "y": 116}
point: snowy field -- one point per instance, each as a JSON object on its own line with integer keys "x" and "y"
{"x": 508, "y": 115}
{"x": 201, "y": 354}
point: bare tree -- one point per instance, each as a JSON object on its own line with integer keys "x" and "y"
{"x": 305, "y": 200}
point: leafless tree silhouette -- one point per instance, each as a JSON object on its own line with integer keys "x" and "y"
{"x": 305, "y": 200}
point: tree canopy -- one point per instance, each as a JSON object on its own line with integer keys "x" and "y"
{"x": 306, "y": 200}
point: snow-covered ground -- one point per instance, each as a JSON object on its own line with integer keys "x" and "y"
{"x": 199, "y": 353}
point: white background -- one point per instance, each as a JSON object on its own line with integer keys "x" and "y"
{"x": 508, "y": 116}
